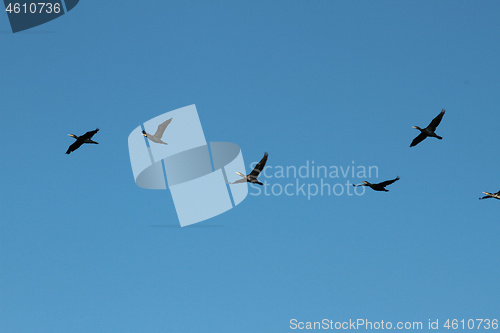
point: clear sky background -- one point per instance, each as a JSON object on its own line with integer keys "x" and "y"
{"x": 84, "y": 249}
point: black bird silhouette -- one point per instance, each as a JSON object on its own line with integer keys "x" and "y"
{"x": 379, "y": 186}
{"x": 491, "y": 195}
{"x": 80, "y": 140}
{"x": 429, "y": 130}
{"x": 252, "y": 177}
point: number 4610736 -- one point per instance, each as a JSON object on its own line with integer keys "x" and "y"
{"x": 34, "y": 8}
{"x": 486, "y": 324}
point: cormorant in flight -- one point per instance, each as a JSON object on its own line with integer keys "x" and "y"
{"x": 159, "y": 132}
{"x": 80, "y": 140}
{"x": 379, "y": 186}
{"x": 429, "y": 130}
{"x": 491, "y": 195}
{"x": 252, "y": 177}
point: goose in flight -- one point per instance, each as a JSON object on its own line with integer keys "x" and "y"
{"x": 379, "y": 186}
{"x": 159, "y": 132}
{"x": 491, "y": 195}
{"x": 252, "y": 177}
{"x": 80, "y": 140}
{"x": 429, "y": 130}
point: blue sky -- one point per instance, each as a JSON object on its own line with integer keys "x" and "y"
{"x": 83, "y": 249}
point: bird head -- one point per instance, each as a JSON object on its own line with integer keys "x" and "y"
{"x": 239, "y": 173}
{"x": 416, "y": 127}
{"x": 366, "y": 183}
{"x": 73, "y": 136}
{"x": 144, "y": 133}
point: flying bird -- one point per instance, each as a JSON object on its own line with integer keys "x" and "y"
{"x": 379, "y": 186}
{"x": 429, "y": 130}
{"x": 159, "y": 132}
{"x": 80, "y": 140}
{"x": 252, "y": 177}
{"x": 491, "y": 195}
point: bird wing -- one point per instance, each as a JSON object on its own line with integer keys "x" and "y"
{"x": 88, "y": 135}
{"x": 435, "y": 122}
{"x": 161, "y": 128}
{"x": 418, "y": 139}
{"x": 388, "y": 182}
{"x": 258, "y": 168}
{"x": 74, "y": 146}
{"x": 242, "y": 180}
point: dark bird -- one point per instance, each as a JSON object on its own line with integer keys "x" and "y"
{"x": 429, "y": 130}
{"x": 159, "y": 132}
{"x": 252, "y": 177}
{"x": 491, "y": 195}
{"x": 80, "y": 140}
{"x": 379, "y": 186}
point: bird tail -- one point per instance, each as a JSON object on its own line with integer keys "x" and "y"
{"x": 440, "y": 138}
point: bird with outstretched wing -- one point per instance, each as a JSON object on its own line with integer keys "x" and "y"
{"x": 159, "y": 132}
{"x": 429, "y": 130}
{"x": 252, "y": 176}
{"x": 80, "y": 140}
